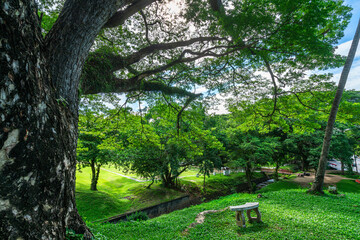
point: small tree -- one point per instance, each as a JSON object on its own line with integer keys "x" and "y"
{"x": 166, "y": 146}
{"x": 97, "y": 143}
{"x": 249, "y": 150}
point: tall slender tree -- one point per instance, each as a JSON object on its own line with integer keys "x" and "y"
{"x": 320, "y": 173}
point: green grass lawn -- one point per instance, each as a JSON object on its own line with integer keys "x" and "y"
{"x": 121, "y": 171}
{"x": 286, "y": 214}
{"x": 116, "y": 195}
{"x": 217, "y": 178}
{"x": 348, "y": 186}
{"x": 190, "y": 172}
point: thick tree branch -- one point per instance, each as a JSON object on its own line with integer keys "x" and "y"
{"x": 183, "y": 59}
{"x": 217, "y": 6}
{"x": 98, "y": 77}
{"x": 69, "y": 41}
{"x": 130, "y": 86}
{"x": 119, "y": 62}
{"x": 119, "y": 17}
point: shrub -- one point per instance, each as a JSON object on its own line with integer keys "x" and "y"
{"x": 138, "y": 216}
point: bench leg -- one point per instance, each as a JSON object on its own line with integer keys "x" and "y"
{"x": 240, "y": 218}
{"x": 258, "y": 215}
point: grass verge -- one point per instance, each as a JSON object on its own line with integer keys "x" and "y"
{"x": 286, "y": 214}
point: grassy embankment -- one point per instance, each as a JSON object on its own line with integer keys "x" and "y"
{"x": 287, "y": 213}
{"x": 117, "y": 194}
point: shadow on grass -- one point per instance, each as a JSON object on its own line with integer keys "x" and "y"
{"x": 281, "y": 185}
{"x": 98, "y": 205}
{"x": 349, "y": 186}
{"x": 252, "y": 227}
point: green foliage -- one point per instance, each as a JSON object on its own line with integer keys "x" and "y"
{"x": 341, "y": 148}
{"x": 71, "y": 235}
{"x": 250, "y": 149}
{"x": 299, "y": 122}
{"x": 166, "y": 145}
{"x": 97, "y": 73}
{"x": 98, "y": 141}
{"x": 348, "y": 186}
{"x": 138, "y": 216}
{"x": 48, "y": 20}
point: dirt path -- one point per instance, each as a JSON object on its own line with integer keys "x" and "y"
{"x": 328, "y": 180}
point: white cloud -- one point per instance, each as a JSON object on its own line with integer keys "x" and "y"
{"x": 353, "y": 81}
{"x": 343, "y": 49}
{"x": 201, "y": 89}
{"x": 219, "y": 107}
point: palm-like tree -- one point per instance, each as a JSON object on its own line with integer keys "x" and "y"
{"x": 320, "y": 173}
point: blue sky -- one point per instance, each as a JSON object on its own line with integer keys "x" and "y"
{"x": 344, "y": 46}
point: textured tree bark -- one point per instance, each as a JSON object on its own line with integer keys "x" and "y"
{"x": 320, "y": 173}
{"x": 69, "y": 41}
{"x": 38, "y": 116}
{"x": 37, "y": 135}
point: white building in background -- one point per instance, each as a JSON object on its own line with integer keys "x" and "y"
{"x": 336, "y": 165}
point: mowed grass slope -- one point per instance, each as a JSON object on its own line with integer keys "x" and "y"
{"x": 286, "y": 214}
{"x": 116, "y": 195}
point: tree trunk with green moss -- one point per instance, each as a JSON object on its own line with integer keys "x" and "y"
{"x": 38, "y": 116}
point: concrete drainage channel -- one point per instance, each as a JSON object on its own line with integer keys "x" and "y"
{"x": 155, "y": 211}
{"x": 177, "y": 204}
{"x": 264, "y": 184}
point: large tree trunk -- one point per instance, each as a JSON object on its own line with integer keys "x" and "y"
{"x": 38, "y": 122}
{"x": 320, "y": 173}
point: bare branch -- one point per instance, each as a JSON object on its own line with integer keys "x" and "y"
{"x": 188, "y": 101}
{"x": 146, "y": 27}
{"x": 274, "y": 83}
{"x": 307, "y": 106}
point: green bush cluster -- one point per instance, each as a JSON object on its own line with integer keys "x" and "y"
{"x": 138, "y": 216}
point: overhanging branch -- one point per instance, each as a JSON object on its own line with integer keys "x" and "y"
{"x": 119, "y": 17}
{"x": 120, "y": 62}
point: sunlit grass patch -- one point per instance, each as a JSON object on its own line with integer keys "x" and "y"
{"x": 116, "y": 195}
{"x": 286, "y": 214}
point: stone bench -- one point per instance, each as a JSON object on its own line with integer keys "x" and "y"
{"x": 240, "y": 218}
